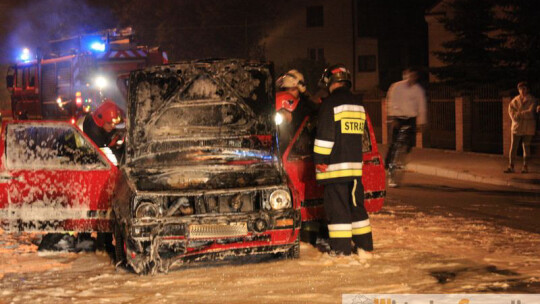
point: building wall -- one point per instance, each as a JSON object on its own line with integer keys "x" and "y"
{"x": 291, "y": 38}
{"x": 367, "y": 80}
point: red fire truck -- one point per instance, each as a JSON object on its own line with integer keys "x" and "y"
{"x": 76, "y": 74}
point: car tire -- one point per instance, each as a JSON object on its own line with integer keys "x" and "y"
{"x": 104, "y": 241}
{"x": 294, "y": 251}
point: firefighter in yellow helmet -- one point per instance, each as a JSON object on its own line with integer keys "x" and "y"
{"x": 338, "y": 163}
{"x": 293, "y": 104}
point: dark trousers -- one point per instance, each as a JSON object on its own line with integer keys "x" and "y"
{"x": 514, "y": 144}
{"x": 397, "y": 124}
{"x": 347, "y": 217}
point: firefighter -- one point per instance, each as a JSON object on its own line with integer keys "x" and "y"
{"x": 286, "y": 103}
{"x": 338, "y": 164}
{"x": 100, "y": 127}
{"x": 293, "y": 104}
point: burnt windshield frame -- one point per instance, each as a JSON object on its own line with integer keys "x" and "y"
{"x": 206, "y": 177}
{"x": 248, "y": 84}
{"x": 191, "y": 116}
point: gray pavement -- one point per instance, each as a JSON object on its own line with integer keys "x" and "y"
{"x": 473, "y": 167}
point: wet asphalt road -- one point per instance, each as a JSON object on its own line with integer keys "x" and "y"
{"x": 501, "y": 206}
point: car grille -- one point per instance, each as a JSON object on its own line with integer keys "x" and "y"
{"x": 217, "y": 231}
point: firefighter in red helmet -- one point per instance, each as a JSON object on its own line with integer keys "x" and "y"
{"x": 338, "y": 162}
{"x": 100, "y": 126}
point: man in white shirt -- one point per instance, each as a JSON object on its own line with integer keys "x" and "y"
{"x": 406, "y": 107}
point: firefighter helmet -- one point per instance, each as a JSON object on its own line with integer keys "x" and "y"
{"x": 109, "y": 112}
{"x": 284, "y": 100}
{"x": 335, "y": 73}
{"x": 292, "y": 79}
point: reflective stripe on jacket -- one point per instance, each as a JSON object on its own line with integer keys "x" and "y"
{"x": 340, "y": 127}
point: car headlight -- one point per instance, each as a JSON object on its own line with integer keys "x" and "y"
{"x": 280, "y": 199}
{"x": 146, "y": 209}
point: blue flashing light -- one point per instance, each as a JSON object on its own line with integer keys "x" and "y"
{"x": 98, "y": 46}
{"x": 25, "y": 55}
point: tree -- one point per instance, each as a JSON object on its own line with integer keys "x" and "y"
{"x": 520, "y": 28}
{"x": 471, "y": 58}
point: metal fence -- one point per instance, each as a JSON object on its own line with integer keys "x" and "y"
{"x": 441, "y": 117}
{"x": 486, "y": 117}
{"x": 486, "y": 133}
{"x": 442, "y": 123}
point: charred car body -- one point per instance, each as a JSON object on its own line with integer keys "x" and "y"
{"x": 202, "y": 179}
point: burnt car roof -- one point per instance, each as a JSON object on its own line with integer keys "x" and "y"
{"x": 201, "y": 100}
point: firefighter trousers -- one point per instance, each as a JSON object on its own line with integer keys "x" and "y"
{"x": 347, "y": 217}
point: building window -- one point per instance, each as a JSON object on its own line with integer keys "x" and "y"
{"x": 316, "y": 54}
{"x": 367, "y": 63}
{"x": 314, "y": 16}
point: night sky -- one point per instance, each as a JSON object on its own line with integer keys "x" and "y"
{"x": 184, "y": 28}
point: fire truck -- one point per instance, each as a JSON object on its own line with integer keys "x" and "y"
{"x": 76, "y": 74}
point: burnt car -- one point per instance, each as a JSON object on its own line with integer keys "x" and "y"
{"x": 202, "y": 179}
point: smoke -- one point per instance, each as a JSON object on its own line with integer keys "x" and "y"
{"x": 32, "y": 24}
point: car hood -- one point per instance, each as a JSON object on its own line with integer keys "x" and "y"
{"x": 191, "y": 103}
{"x": 205, "y": 169}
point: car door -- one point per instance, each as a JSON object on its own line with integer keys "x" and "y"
{"x": 298, "y": 163}
{"x": 373, "y": 173}
{"x": 56, "y": 179}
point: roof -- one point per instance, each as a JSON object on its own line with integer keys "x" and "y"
{"x": 439, "y": 7}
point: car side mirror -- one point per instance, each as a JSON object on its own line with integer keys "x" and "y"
{"x": 9, "y": 82}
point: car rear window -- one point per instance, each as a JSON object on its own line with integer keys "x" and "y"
{"x": 33, "y": 146}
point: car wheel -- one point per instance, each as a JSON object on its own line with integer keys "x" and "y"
{"x": 294, "y": 251}
{"x": 104, "y": 241}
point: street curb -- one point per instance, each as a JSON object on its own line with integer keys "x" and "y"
{"x": 464, "y": 176}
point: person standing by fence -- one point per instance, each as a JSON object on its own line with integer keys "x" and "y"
{"x": 521, "y": 111}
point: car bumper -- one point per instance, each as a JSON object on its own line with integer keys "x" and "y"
{"x": 164, "y": 243}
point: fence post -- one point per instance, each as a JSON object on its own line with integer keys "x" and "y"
{"x": 463, "y": 123}
{"x": 506, "y": 125}
{"x": 384, "y": 124}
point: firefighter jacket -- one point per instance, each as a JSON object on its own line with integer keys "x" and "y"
{"x": 96, "y": 133}
{"x": 338, "y": 144}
